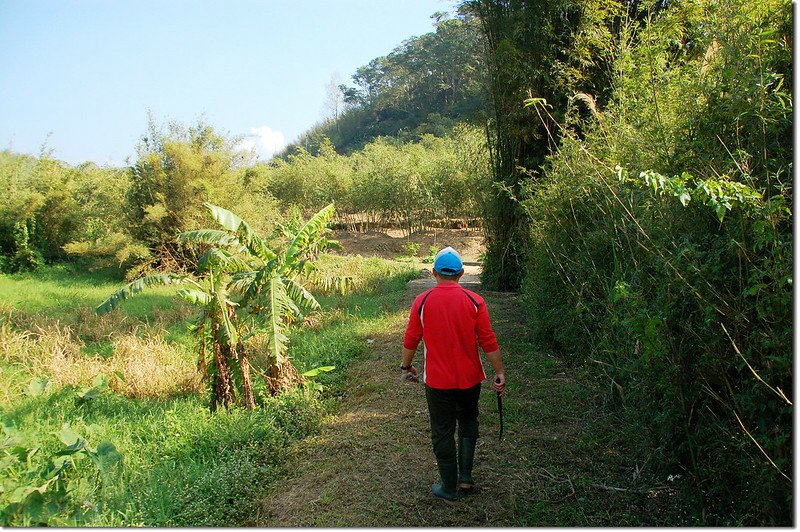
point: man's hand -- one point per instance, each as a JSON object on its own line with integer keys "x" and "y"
{"x": 410, "y": 375}
{"x": 499, "y": 383}
{"x": 407, "y": 366}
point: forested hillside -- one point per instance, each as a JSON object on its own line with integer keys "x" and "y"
{"x": 424, "y": 86}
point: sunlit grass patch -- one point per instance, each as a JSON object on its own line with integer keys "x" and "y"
{"x": 350, "y": 324}
{"x": 366, "y": 274}
{"x": 57, "y": 292}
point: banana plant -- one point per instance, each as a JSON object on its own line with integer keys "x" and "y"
{"x": 216, "y": 325}
{"x": 244, "y": 288}
{"x": 275, "y": 293}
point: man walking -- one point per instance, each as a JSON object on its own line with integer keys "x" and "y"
{"x": 452, "y": 322}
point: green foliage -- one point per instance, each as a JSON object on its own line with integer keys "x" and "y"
{"x": 25, "y": 258}
{"x": 424, "y": 86}
{"x": 722, "y": 195}
{"x": 431, "y": 256}
{"x": 87, "y": 395}
{"x": 310, "y": 374}
{"x": 102, "y": 238}
{"x": 412, "y": 248}
{"x": 54, "y": 206}
{"x": 228, "y": 462}
{"x": 244, "y": 288}
{"x": 674, "y": 293}
{"x": 182, "y": 466}
{"x": 46, "y": 488}
{"x": 135, "y": 287}
{"x": 412, "y": 185}
{"x": 550, "y": 55}
{"x": 175, "y": 173}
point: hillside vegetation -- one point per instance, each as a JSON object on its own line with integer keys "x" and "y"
{"x": 426, "y": 85}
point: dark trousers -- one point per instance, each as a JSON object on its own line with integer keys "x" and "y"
{"x": 446, "y": 407}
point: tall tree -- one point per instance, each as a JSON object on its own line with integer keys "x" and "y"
{"x": 542, "y": 51}
{"x": 334, "y": 99}
{"x": 174, "y": 174}
{"x": 525, "y": 41}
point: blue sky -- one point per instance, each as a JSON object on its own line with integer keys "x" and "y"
{"x": 81, "y": 75}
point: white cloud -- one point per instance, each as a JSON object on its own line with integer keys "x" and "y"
{"x": 263, "y": 141}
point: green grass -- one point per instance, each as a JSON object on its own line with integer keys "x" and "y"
{"x": 182, "y": 466}
{"x": 68, "y": 295}
{"x": 57, "y": 291}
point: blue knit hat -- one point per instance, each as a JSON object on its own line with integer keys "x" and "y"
{"x": 448, "y": 262}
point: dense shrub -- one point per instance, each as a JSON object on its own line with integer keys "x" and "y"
{"x": 661, "y": 257}
{"x": 38, "y": 215}
{"x": 58, "y": 211}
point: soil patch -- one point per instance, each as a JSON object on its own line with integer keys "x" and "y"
{"x": 392, "y": 243}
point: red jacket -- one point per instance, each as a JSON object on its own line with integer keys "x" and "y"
{"x": 452, "y": 321}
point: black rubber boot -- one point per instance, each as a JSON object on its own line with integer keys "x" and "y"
{"x": 466, "y": 454}
{"x": 447, "y": 490}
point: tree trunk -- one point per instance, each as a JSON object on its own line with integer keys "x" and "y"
{"x": 279, "y": 378}
{"x": 202, "y": 363}
{"x": 247, "y": 386}
{"x": 273, "y": 379}
{"x": 223, "y": 386}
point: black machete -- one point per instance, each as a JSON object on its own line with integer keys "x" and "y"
{"x": 500, "y": 408}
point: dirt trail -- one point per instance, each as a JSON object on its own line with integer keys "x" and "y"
{"x": 371, "y": 465}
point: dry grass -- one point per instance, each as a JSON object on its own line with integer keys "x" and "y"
{"x": 86, "y": 324}
{"x": 150, "y": 366}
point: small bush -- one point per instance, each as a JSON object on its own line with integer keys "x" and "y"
{"x": 412, "y": 248}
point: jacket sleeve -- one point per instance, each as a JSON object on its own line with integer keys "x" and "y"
{"x": 483, "y": 329}
{"x": 414, "y": 328}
